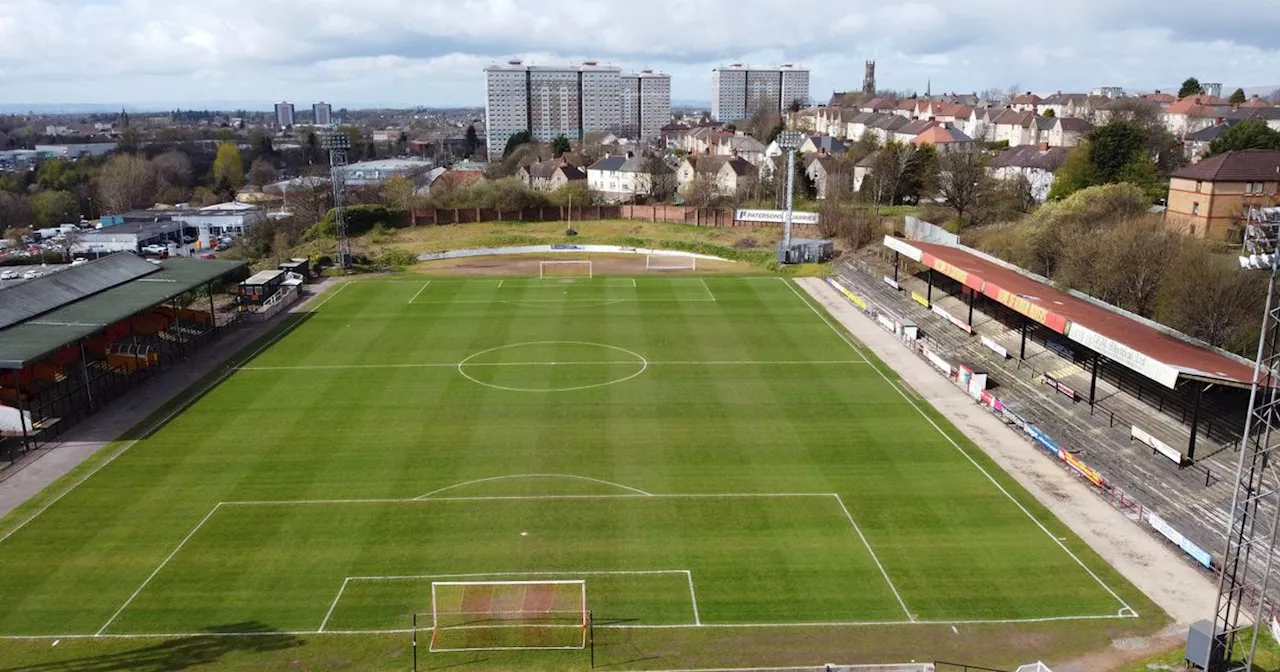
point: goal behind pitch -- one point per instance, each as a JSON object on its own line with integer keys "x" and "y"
{"x": 664, "y": 262}
{"x": 580, "y": 268}
{"x": 500, "y": 615}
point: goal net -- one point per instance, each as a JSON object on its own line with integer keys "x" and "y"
{"x": 498, "y": 615}
{"x": 662, "y": 262}
{"x": 564, "y": 269}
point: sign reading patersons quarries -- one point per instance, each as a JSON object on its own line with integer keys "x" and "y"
{"x": 775, "y": 216}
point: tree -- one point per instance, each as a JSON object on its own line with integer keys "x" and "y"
{"x": 763, "y": 120}
{"x": 398, "y": 193}
{"x": 1112, "y": 147}
{"x": 1237, "y": 97}
{"x": 1248, "y": 134}
{"x": 517, "y": 139}
{"x": 127, "y": 181}
{"x": 1190, "y": 87}
{"x": 661, "y": 183}
{"x": 472, "y": 141}
{"x": 261, "y": 173}
{"x": 560, "y": 145}
{"x": 173, "y": 169}
{"x": 888, "y": 169}
{"x": 51, "y": 208}
{"x": 963, "y": 181}
{"x": 1049, "y": 113}
{"x": 228, "y": 171}
{"x": 15, "y": 213}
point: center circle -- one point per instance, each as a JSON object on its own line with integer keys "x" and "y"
{"x": 552, "y": 366}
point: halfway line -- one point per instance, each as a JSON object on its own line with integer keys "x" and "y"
{"x": 454, "y": 365}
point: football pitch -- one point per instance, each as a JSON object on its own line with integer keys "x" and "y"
{"x": 704, "y": 453}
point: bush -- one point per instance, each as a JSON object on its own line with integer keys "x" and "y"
{"x": 361, "y": 219}
{"x": 396, "y": 258}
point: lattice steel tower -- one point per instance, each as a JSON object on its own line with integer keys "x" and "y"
{"x": 1255, "y": 507}
{"x": 338, "y": 144}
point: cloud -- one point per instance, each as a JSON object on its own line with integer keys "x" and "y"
{"x": 430, "y": 52}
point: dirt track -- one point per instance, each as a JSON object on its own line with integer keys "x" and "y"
{"x": 601, "y": 264}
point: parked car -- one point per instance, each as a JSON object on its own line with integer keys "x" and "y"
{"x": 155, "y": 249}
{"x": 9, "y": 275}
{"x": 32, "y": 274}
{"x": 209, "y": 255}
{"x": 79, "y": 260}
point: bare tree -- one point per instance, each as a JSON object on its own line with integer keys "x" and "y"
{"x": 15, "y": 212}
{"x": 888, "y": 170}
{"x": 1012, "y": 91}
{"x": 127, "y": 181}
{"x": 963, "y": 181}
{"x": 173, "y": 169}
{"x": 660, "y": 182}
{"x": 261, "y": 173}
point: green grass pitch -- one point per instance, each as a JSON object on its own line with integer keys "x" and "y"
{"x": 704, "y": 453}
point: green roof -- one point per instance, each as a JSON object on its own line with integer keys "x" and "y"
{"x": 35, "y": 338}
{"x": 19, "y": 303}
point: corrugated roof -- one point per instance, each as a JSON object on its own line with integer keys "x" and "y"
{"x": 31, "y": 340}
{"x": 41, "y": 295}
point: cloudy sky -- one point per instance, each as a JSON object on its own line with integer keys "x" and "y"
{"x": 431, "y": 52}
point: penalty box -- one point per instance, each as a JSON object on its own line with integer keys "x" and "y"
{"x": 789, "y": 558}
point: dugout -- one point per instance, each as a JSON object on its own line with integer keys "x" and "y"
{"x": 1203, "y": 388}
{"x": 259, "y": 288}
{"x": 74, "y": 341}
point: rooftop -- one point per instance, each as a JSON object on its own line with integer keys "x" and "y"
{"x": 91, "y": 297}
{"x": 1244, "y": 165}
{"x": 1157, "y": 352}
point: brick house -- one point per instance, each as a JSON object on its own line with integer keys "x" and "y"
{"x": 1207, "y": 199}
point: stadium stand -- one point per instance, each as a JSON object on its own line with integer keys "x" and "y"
{"x": 73, "y": 341}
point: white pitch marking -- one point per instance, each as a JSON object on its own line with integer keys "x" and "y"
{"x": 874, "y": 558}
{"x": 991, "y": 478}
{"x": 333, "y": 606}
{"x": 179, "y": 409}
{"x": 159, "y": 567}
{"x": 953, "y": 629}
{"x": 709, "y": 292}
{"x": 620, "y": 626}
{"x": 451, "y": 365}
{"x": 693, "y": 597}
{"x": 419, "y": 292}
{"x": 844, "y": 337}
{"x": 535, "y": 476}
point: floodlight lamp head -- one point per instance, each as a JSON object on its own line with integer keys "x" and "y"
{"x": 335, "y": 141}
{"x": 790, "y": 140}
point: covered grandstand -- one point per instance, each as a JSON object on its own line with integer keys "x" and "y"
{"x": 74, "y": 341}
{"x": 1202, "y": 387}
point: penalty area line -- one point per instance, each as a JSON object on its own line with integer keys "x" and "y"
{"x": 420, "y": 291}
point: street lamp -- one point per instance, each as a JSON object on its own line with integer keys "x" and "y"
{"x": 789, "y": 142}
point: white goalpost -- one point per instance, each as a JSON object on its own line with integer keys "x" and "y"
{"x": 664, "y": 262}
{"x": 578, "y": 268}
{"x": 508, "y": 615}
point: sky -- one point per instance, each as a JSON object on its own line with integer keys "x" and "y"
{"x": 402, "y": 53}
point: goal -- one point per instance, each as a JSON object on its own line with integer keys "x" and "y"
{"x": 502, "y": 615}
{"x": 565, "y": 269}
{"x": 664, "y": 262}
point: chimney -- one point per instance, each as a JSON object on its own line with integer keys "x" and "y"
{"x": 1044, "y": 146}
{"x": 631, "y": 155}
{"x": 733, "y": 153}
{"x": 822, "y": 151}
